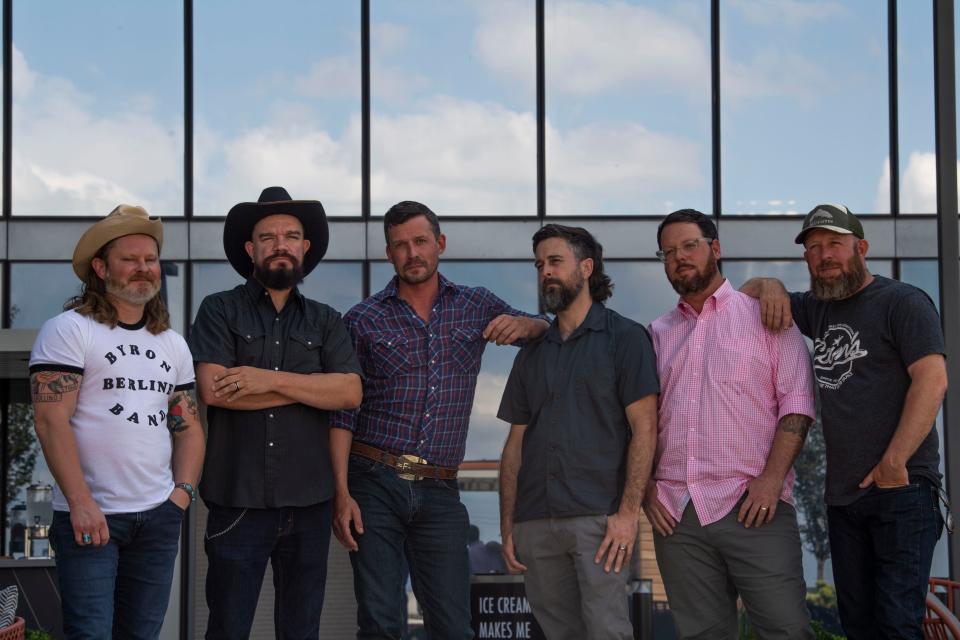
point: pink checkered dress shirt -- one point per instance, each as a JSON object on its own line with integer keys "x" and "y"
{"x": 725, "y": 382}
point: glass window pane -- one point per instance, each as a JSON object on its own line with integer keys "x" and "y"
{"x": 29, "y": 483}
{"x": 628, "y": 106}
{"x": 338, "y": 284}
{"x": 641, "y": 290}
{"x": 925, "y": 275}
{"x": 97, "y": 107}
{"x": 453, "y": 121}
{"x": 277, "y": 106}
{"x": 918, "y": 160}
{"x": 32, "y": 305}
{"x": 804, "y": 106}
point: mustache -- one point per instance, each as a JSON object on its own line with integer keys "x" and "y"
{"x": 414, "y": 263}
{"x": 550, "y": 281}
{"x": 283, "y": 254}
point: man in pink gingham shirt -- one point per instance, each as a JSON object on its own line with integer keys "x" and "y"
{"x": 736, "y": 402}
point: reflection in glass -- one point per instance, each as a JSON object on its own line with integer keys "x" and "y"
{"x": 453, "y": 106}
{"x": 804, "y": 97}
{"x": 641, "y": 290}
{"x": 97, "y": 107}
{"x": 925, "y": 275}
{"x": 38, "y": 291}
{"x": 628, "y": 106}
{"x": 28, "y": 483}
{"x": 277, "y": 106}
{"x": 915, "y": 98}
{"x": 338, "y": 284}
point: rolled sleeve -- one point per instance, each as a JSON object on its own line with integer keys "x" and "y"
{"x": 794, "y": 374}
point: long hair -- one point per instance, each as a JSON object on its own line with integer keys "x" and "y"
{"x": 584, "y": 246}
{"x": 93, "y": 302}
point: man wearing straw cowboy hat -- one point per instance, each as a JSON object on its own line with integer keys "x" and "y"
{"x": 271, "y": 365}
{"x": 116, "y": 415}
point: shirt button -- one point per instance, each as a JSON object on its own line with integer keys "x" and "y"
{"x": 271, "y": 415}
{"x": 433, "y": 388}
{"x": 277, "y": 319}
{"x": 271, "y": 444}
{"x": 433, "y": 362}
{"x": 277, "y": 342}
{"x": 431, "y": 335}
{"x": 276, "y": 368}
{"x": 422, "y": 441}
{"x": 426, "y": 415}
{"x": 248, "y": 336}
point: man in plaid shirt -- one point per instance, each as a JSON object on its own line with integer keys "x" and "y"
{"x": 736, "y": 401}
{"x": 395, "y": 460}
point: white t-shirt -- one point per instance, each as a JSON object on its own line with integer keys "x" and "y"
{"x": 120, "y": 422}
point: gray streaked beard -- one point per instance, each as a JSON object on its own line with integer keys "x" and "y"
{"x": 843, "y": 287}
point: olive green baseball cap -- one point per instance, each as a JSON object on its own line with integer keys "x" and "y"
{"x": 833, "y": 217}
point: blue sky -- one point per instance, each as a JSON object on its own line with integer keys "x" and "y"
{"x": 99, "y": 105}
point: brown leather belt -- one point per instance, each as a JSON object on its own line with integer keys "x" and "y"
{"x": 408, "y": 467}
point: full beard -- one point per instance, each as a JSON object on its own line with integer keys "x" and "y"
{"x": 842, "y": 286}
{"x": 279, "y": 279}
{"x": 700, "y": 280}
{"x": 132, "y": 292}
{"x": 555, "y": 299}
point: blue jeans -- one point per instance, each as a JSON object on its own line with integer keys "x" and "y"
{"x": 121, "y": 589}
{"x": 239, "y": 542}
{"x": 424, "y": 522}
{"x": 881, "y": 548}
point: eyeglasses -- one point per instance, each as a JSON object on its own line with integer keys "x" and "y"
{"x": 686, "y": 248}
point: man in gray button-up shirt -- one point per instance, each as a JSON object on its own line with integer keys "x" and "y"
{"x": 582, "y": 401}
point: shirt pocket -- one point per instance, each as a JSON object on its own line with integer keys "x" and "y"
{"x": 467, "y": 349}
{"x": 741, "y": 370}
{"x": 303, "y": 353}
{"x": 249, "y": 346}
{"x": 390, "y": 357}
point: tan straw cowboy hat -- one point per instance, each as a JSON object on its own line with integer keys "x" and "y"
{"x": 125, "y": 220}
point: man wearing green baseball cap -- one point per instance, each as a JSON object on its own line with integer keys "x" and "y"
{"x": 879, "y": 363}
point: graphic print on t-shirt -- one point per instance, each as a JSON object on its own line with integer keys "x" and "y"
{"x": 834, "y": 355}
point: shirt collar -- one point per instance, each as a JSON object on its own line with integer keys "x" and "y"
{"x": 593, "y": 322}
{"x": 719, "y": 298}
{"x": 392, "y": 291}
{"x": 258, "y": 292}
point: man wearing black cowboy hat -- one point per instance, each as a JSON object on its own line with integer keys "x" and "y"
{"x": 271, "y": 365}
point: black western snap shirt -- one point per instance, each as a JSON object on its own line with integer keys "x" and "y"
{"x": 572, "y": 395}
{"x": 276, "y": 457}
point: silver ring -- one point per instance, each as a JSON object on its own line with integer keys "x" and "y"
{"x": 237, "y": 382}
{"x": 86, "y": 538}
{"x": 623, "y": 547}
{"x": 764, "y": 508}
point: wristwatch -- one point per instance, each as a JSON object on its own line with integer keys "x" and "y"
{"x": 186, "y": 486}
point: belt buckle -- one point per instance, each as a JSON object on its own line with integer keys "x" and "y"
{"x": 405, "y": 469}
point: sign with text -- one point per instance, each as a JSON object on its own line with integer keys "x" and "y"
{"x": 499, "y": 609}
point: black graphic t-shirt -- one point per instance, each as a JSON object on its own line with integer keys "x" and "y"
{"x": 862, "y": 348}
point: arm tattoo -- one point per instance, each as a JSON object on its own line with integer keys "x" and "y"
{"x": 181, "y": 402}
{"x": 796, "y": 424}
{"x": 49, "y": 386}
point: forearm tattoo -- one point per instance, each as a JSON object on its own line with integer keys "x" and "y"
{"x": 796, "y": 424}
{"x": 183, "y": 404}
{"x": 49, "y": 386}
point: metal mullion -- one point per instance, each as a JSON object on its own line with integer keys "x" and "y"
{"x": 947, "y": 241}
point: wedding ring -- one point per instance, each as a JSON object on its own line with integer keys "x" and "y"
{"x": 86, "y": 538}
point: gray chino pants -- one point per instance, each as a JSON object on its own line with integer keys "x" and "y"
{"x": 571, "y": 597}
{"x": 704, "y": 568}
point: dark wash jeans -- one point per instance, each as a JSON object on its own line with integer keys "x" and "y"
{"x": 239, "y": 542}
{"x": 881, "y": 547}
{"x": 122, "y": 589}
{"x": 424, "y": 522}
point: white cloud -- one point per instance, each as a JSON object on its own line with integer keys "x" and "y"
{"x": 918, "y": 184}
{"x": 773, "y": 73}
{"x": 593, "y": 47}
{"x": 487, "y": 432}
{"x": 792, "y": 13}
{"x": 69, "y": 160}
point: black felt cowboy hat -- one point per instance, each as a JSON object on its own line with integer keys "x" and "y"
{"x": 238, "y": 228}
